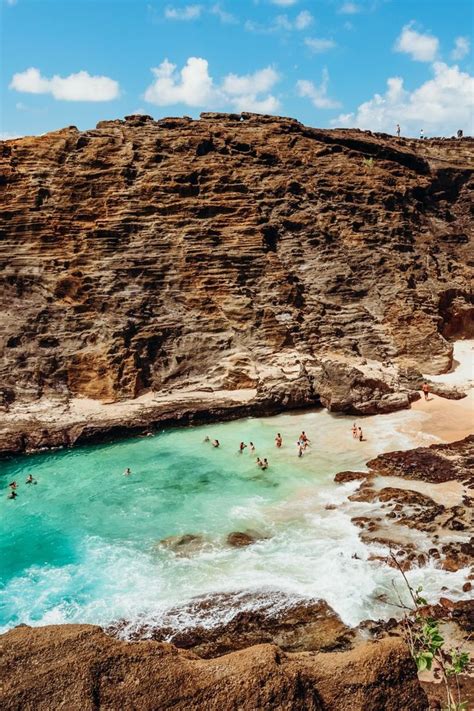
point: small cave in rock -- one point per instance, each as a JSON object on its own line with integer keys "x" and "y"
{"x": 270, "y": 237}
{"x": 456, "y": 314}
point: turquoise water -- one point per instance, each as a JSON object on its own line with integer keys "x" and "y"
{"x": 81, "y": 544}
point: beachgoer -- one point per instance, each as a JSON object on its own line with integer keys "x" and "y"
{"x": 300, "y": 450}
{"x": 354, "y": 430}
{"x": 265, "y": 464}
{"x": 426, "y": 389}
{"x": 259, "y": 462}
{"x": 29, "y": 479}
{"x": 304, "y": 438}
{"x": 361, "y": 435}
{"x": 252, "y": 447}
{"x": 13, "y": 485}
{"x": 215, "y": 443}
{"x": 398, "y": 130}
{"x": 278, "y": 440}
{"x": 206, "y": 439}
{"x": 127, "y": 471}
{"x": 12, "y": 494}
{"x": 242, "y": 447}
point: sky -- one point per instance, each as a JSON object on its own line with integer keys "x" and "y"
{"x": 368, "y": 64}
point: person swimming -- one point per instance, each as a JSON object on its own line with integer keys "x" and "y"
{"x": 278, "y": 440}
{"x": 265, "y": 464}
{"x": 242, "y": 447}
{"x": 300, "y": 450}
{"x": 361, "y": 435}
{"x": 354, "y": 431}
{"x": 127, "y": 471}
{"x": 215, "y": 443}
{"x": 259, "y": 462}
{"x": 12, "y": 495}
{"x": 206, "y": 439}
{"x": 13, "y": 485}
{"x": 252, "y": 447}
{"x": 304, "y": 439}
{"x": 29, "y": 479}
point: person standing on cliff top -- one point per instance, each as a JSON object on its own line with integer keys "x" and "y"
{"x": 398, "y": 130}
{"x": 422, "y": 134}
{"x": 426, "y": 389}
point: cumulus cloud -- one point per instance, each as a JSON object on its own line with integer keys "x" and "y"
{"x": 194, "y": 86}
{"x": 318, "y": 94}
{"x": 422, "y": 47}
{"x": 462, "y": 47}
{"x": 319, "y": 44}
{"x": 75, "y": 87}
{"x": 349, "y": 8}
{"x": 440, "y": 106}
{"x": 189, "y": 12}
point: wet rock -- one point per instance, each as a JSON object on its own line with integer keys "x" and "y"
{"x": 238, "y": 539}
{"x": 183, "y": 545}
{"x": 467, "y": 587}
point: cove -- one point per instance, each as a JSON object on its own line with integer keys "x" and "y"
{"x": 82, "y": 544}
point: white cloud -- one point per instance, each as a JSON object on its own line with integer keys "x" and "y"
{"x": 226, "y": 17}
{"x": 462, "y": 47}
{"x": 284, "y": 3}
{"x": 11, "y": 2}
{"x": 319, "y": 44}
{"x": 194, "y": 86}
{"x": 282, "y": 22}
{"x": 440, "y": 106}
{"x": 189, "y": 12}
{"x": 75, "y": 87}
{"x": 317, "y": 94}
{"x": 303, "y": 20}
{"x": 422, "y": 47}
{"x": 8, "y": 135}
{"x": 262, "y": 80}
{"x": 349, "y": 8}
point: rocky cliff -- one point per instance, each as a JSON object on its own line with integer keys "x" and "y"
{"x": 240, "y": 259}
{"x": 79, "y": 668}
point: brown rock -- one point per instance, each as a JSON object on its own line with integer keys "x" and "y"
{"x": 237, "y": 539}
{"x": 229, "y": 253}
{"x": 79, "y": 667}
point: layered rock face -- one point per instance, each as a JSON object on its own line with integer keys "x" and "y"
{"x": 79, "y": 667}
{"x": 231, "y": 253}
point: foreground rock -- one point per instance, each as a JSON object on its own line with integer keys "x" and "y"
{"x": 231, "y": 265}
{"x": 80, "y": 667}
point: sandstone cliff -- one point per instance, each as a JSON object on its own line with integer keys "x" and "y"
{"x": 237, "y": 254}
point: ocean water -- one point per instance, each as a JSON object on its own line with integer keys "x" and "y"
{"x": 81, "y": 544}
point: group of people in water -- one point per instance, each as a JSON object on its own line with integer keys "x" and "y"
{"x": 302, "y": 443}
{"x": 13, "y": 486}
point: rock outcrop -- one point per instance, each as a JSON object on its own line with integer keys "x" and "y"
{"x": 444, "y": 515}
{"x": 250, "y": 257}
{"x": 79, "y": 667}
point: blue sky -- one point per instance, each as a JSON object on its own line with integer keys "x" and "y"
{"x": 365, "y": 63}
